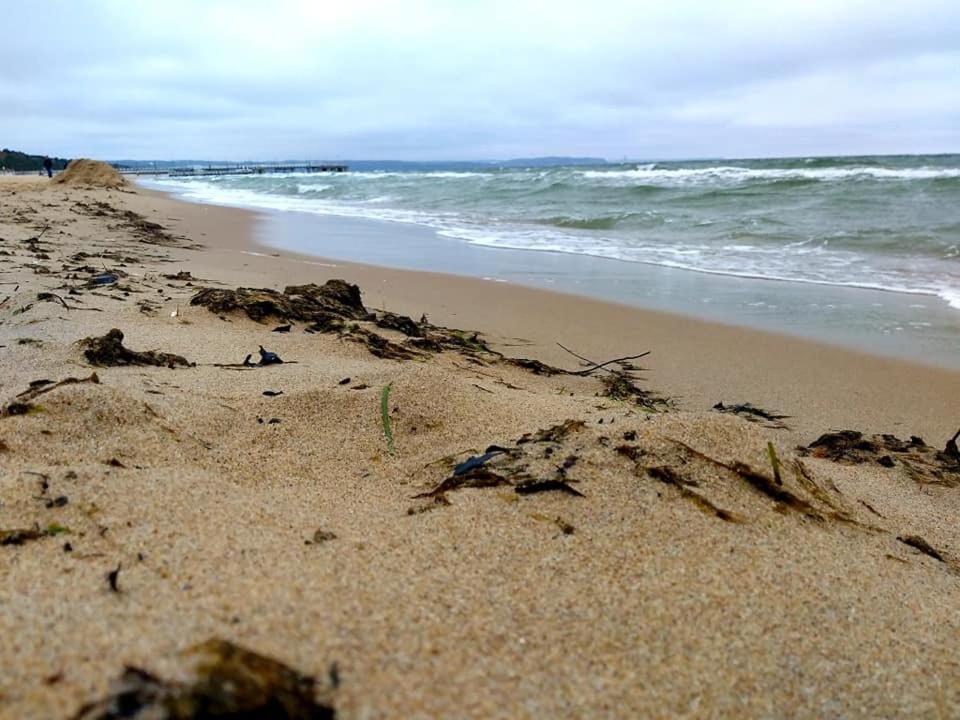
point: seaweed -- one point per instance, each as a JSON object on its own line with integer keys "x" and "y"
{"x": 476, "y": 478}
{"x": 380, "y": 347}
{"x": 19, "y": 536}
{"x": 917, "y": 542}
{"x": 924, "y": 463}
{"x": 554, "y": 433}
{"x": 668, "y": 476}
{"x": 529, "y": 487}
{"x": 621, "y": 385}
{"x": 225, "y": 681}
{"x": 308, "y": 303}
{"x": 754, "y": 414}
{"x": 400, "y": 323}
{"x": 108, "y": 350}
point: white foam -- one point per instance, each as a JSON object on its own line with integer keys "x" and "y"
{"x": 686, "y": 176}
{"x": 790, "y": 262}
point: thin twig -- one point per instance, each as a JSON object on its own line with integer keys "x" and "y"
{"x": 603, "y": 365}
{"x": 599, "y": 366}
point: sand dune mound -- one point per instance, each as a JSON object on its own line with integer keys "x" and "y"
{"x": 90, "y": 172}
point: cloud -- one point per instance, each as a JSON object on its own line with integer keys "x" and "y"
{"x": 479, "y": 79}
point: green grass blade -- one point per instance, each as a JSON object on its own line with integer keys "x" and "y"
{"x": 385, "y": 415}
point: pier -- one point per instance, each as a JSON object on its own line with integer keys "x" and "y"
{"x": 239, "y": 169}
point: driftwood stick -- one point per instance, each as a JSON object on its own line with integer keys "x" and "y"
{"x": 602, "y": 366}
{"x": 579, "y": 357}
{"x": 599, "y": 366}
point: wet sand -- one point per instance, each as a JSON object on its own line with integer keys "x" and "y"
{"x": 676, "y": 583}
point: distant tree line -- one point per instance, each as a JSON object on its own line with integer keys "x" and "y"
{"x": 22, "y": 162}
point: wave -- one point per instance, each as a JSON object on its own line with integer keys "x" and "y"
{"x": 681, "y": 175}
{"x": 720, "y": 219}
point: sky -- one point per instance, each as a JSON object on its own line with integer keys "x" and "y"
{"x": 478, "y": 79}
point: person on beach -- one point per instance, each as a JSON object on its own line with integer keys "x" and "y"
{"x": 48, "y": 166}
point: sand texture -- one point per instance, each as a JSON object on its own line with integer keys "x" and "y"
{"x": 617, "y": 548}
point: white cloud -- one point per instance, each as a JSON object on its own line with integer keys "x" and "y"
{"x": 434, "y": 79}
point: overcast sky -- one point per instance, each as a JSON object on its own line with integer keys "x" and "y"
{"x": 472, "y": 79}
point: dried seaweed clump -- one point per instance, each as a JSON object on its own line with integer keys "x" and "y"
{"x": 227, "y": 681}
{"x": 924, "y": 463}
{"x": 622, "y": 385}
{"x": 334, "y": 300}
{"x": 108, "y": 350}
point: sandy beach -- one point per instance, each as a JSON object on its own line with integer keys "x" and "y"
{"x": 625, "y": 550}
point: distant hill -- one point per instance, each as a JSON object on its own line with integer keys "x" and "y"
{"x": 22, "y": 162}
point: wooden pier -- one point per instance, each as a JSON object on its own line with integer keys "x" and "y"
{"x": 247, "y": 169}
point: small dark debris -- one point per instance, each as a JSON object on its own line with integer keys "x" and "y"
{"x": 435, "y": 502}
{"x": 102, "y": 279}
{"x": 113, "y": 462}
{"x": 345, "y": 381}
{"x": 321, "y": 536}
{"x": 476, "y": 461}
{"x": 915, "y": 541}
{"x": 272, "y": 393}
{"x": 57, "y": 502}
{"x": 269, "y": 358}
{"x": 886, "y": 461}
{"x": 182, "y": 275}
{"x": 630, "y": 435}
{"x": 565, "y": 527}
{"x": 282, "y": 329}
{"x": 67, "y": 547}
{"x": 360, "y": 386}
{"x": 530, "y": 487}
{"x": 274, "y": 421}
{"x": 113, "y": 579}
{"x": 18, "y": 408}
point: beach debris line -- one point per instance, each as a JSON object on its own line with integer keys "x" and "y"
{"x": 108, "y": 350}
{"x": 754, "y": 414}
{"x": 337, "y": 307}
{"x": 220, "y": 680}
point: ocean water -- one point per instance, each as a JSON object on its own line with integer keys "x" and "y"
{"x": 886, "y": 223}
{"x": 861, "y": 251}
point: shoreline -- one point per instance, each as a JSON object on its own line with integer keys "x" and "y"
{"x": 425, "y": 528}
{"x": 820, "y": 384}
{"x": 914, "y": 327}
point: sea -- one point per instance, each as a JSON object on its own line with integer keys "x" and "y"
{"x": 860, "y": 251}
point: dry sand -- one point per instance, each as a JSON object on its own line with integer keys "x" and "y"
{"x": 679, "y": 584}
